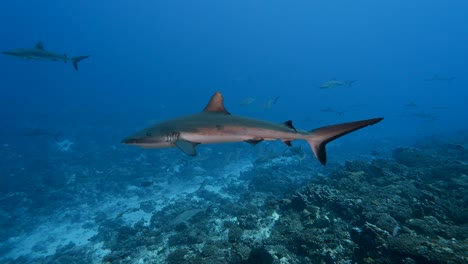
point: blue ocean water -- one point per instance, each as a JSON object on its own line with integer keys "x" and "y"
{"x": 62, "y": 162}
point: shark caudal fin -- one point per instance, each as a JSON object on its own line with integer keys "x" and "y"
{"x": 78, "y": 59}
{"x": 321, "y": 136}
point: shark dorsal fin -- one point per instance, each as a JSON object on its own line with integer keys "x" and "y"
{"x": 39, "y": 45}
{"x": 216, "y": 105}
{"x": 289, "y": 124}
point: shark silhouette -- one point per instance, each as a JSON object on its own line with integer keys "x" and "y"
{"x": 39, "y": 53}
{"x": 216, "y": 125}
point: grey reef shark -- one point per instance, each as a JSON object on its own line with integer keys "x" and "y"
{"x": 216, "y": 125}
{"x": 39, "y": 53}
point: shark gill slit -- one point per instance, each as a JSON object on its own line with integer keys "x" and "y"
{"x": 172, "y": 137}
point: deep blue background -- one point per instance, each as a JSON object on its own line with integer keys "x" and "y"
{"x": 153, "y": 60}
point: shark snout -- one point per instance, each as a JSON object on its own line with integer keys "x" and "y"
{"x": 129, "y": 141}
{"x": 138, "y": 141}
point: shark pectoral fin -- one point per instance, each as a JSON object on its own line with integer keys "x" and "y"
{"x": 254, "y": 141}
{"x": 321, "y": 136}
{"x": 187, "y": 147}
{"x": 288, "y": 143}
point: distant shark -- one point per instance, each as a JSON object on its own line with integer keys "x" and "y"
{"x": 216, "y": 125}
{"x": 39, "y": 53}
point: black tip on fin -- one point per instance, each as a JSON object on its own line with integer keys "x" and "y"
{"x": 289, "y": 124}
{"x": 320, "y": 153}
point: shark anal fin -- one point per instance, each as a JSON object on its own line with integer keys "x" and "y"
{"x": 289, "y": 124}
{"x": 187, "y": 147}
{"x": 39, "y": 45}
{"x": 254, "y": 141}
{"x": 216, "y": 105}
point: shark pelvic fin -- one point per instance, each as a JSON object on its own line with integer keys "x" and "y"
{"x": 216, "y": 105}
{"x": 254, "y": 141}
{"x": 321, "y": 136}
{"x": 39, "y": 45}
{"x": 187, "y": 147}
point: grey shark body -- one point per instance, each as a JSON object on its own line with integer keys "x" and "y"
{"x": 39, "y": 53}
{"x": 216, "y": 125}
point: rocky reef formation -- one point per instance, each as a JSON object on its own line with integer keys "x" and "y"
{"x": 408, "y": 208}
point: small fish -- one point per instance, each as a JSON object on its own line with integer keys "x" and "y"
{"x": 411, "y": 104}
{"x": 247, "y": 101}
{"x": 331, "y": 110}
{"x": 270, "y": 102}
{"x": 39, "y": 53}
{"x": 440, "y": 78}
{"x": 423, "y": 115}
{"x": 335, "y": 83}
{"x": 39, "y": 133}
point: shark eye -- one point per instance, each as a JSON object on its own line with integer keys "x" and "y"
{"x": 149, "y": 134}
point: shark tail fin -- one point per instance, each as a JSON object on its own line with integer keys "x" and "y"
{"x": 78, "y": 59}
{"x": 321, "y": 136}
{"x": 349, "y": 83}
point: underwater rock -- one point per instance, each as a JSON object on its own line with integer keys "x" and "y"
{"x": 115, "y": 257}
{"x": 183, "y": 238}
{"x": 235, "y": 233}
{"x": 260, "y": 256}
{"x": 147, "y": 206}
{"x": 451, "y": 169}
{"x": 429, "y": 226}
{"x": 410, "y": 209}
{"x": 239, "y": 253}
{"x": 248, "y": 221}
{"x": 177, "y": 257}
{"x": 424, "y": 250}
{"x": 413, "y": 157}
{"x": 321, "y": 222}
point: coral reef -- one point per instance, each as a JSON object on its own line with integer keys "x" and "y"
{"x": 410, "y": 208}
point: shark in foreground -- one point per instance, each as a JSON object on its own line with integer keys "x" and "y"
{"x": 39, "y": 53}
{"x": 216, "y": 125}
